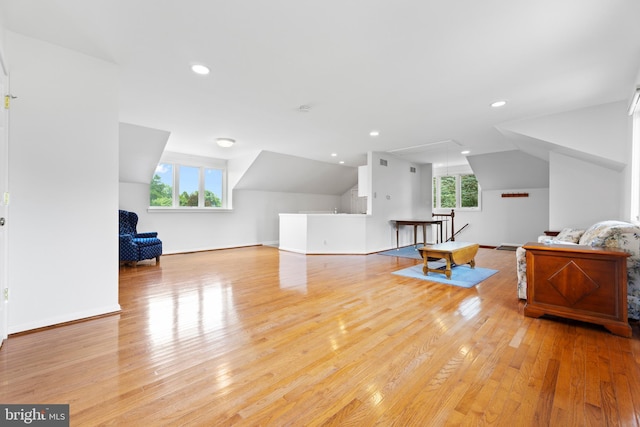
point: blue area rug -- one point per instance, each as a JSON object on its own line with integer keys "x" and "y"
{"x": 404, "y": 252}
{"x": 461, "y": 275}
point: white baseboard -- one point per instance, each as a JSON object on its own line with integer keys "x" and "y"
{"x": 70, "y": 317}
{"x": 298, "y": 251}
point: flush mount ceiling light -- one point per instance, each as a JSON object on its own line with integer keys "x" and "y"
{"x": 498, "y": 104}
{"x": 225, "y": 142}
{"x": 200, "y": 69}
{"x": 374, "y": 133}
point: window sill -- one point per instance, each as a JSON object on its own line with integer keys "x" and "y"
{"x": 152, "y": 209}
{"x": 448, "y": 210}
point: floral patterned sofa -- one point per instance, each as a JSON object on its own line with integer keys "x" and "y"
{"x": 607, "y": 234}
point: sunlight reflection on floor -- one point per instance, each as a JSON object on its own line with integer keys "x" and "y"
{"x": 470, "y": 307}
{"x": 194, "y": 312}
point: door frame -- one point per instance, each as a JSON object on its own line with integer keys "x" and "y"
{"x": 4, "y": 199}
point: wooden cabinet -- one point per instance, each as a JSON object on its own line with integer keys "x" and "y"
{"x": 578, "y": 282}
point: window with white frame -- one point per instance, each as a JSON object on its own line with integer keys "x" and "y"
{"x": 460, "y": 191}
{"x": 188, "y": 184}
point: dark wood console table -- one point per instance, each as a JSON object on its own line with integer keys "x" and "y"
{"x": 578, "y": 282}
{"x": 416, "y": 223}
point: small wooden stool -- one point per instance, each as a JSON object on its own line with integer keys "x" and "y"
{"x": 452, "y": 252}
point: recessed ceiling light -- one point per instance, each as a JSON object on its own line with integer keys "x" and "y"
{"x": 498, "y": 104}
{"x": 225, "y": 142}
{"x": 374, "y": 133}
{"x": 334, "y": 154}
{"x": 341, "y": 162}
{"x": 200, "y": 69}
{"x": 465, "y": 152}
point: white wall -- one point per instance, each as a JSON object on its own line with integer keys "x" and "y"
{"x": 594, "y": 183}
{"x": 253, "y": 220}
{"x": 63, "y": 179}
{"x": 513, "y": 220}
{"x": 501, "y": 220}
{"x": 323, "y": 233}
{"x": 582, "y": 193}
{"x": 396, "y": 193}
{"x": 3, "y": 65}
{"x": 574, "y": 187}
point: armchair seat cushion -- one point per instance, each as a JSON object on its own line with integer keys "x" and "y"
{"x": 146, "y": 241}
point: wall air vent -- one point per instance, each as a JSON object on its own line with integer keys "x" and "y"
{"x": 383, "y": 162}
{"x": 412, "y": 169}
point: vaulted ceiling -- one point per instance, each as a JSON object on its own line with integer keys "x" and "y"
{"x": 309, "y": 79}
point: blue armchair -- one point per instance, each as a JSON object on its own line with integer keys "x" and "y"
{"x": 136, "y": 246}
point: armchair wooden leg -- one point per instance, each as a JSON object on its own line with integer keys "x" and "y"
{"x": 158, "y": 259}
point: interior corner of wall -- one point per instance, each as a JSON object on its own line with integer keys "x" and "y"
{"x": 230, "y": 199}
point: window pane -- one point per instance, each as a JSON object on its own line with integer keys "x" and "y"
{"x": 213, "y": 187}
{"x": 189, "y": 181}
{"x": 161, "y": 193}
{"x": 447, "y": 191}
{"x": 469, "y": 191}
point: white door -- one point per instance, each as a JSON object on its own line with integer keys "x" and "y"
{"x": 4, "y": 202}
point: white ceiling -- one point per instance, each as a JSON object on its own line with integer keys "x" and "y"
{"x": 419, "y": 71}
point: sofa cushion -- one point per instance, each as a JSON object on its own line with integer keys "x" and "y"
{"x": 571, "y": 235}
{"x": 607, "y": 234}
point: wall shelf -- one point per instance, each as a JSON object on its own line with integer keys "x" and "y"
{"x": 515, "y": 194}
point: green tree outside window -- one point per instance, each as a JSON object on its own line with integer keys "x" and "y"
{"x": 448, "y": 192}
{"x": 468, "y": 191}
{"x": 456, "y": 191}
{"x": 161, "y": 193}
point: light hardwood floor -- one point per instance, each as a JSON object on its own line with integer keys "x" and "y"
{"x": 255, "y": 336}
